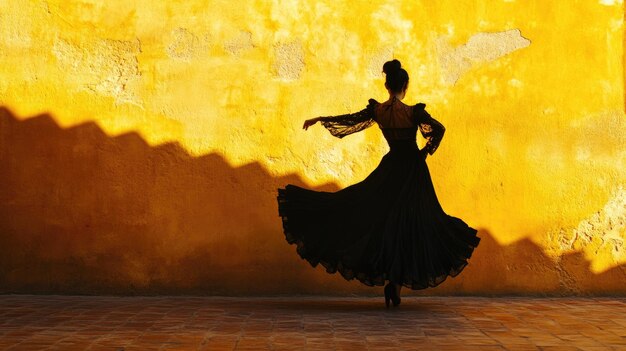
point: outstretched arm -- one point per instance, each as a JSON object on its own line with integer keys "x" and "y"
{"x": 346, "y": 124}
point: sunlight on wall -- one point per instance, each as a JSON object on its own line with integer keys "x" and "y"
{"x": 532, "y": 99}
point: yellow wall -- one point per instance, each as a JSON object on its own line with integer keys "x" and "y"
{"x": 142, "y": 142}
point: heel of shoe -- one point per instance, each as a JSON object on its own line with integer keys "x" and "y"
{"x": 387, "y": 295}
{"x": 392, "y": 294}
{"x": 397, "y": 301}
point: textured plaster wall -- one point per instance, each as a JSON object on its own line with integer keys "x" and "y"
{"x": 141, "y": 142}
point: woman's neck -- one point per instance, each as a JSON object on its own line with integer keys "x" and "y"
{"x": 398, "y": 96}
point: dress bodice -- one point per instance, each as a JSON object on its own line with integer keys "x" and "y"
{"x": 398, "y": 122}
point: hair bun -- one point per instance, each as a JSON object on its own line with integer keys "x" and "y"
{"x": 392, "y": 66}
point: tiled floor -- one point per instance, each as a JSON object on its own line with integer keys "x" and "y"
{"x": 310, "y": 323}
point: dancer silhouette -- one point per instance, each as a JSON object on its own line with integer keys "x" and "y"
{"x": 390, "y": 226}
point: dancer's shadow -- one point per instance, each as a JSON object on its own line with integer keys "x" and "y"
{"x": 83, "y": 212}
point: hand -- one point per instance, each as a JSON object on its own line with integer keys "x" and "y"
{"x": 310, "y": 122}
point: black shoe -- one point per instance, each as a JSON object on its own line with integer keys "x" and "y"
{"x": 390, "y": 294}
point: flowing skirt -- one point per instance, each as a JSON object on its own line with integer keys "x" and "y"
{"x": 390, "y": 226}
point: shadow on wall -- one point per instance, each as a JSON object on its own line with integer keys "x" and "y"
{"x": 82, "y": 212}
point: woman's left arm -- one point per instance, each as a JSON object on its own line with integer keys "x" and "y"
{"x": 431, "y": 129}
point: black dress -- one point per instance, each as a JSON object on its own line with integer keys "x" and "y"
{"x": 390, "y": 226}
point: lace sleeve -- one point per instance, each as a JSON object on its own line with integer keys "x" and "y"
{"x": 430, "y": 128}
{"x": 343, "y": 125}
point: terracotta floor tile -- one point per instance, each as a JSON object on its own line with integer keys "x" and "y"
{"x": 310, "y": 323}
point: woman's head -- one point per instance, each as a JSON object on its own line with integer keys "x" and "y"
{"x": 397, "y": 78}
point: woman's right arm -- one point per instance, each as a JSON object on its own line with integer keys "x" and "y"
{"x": 347, "y": 124}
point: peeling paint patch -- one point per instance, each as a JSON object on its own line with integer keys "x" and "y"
{"x": 289, "y": 60}
{"x": 185, "y": 45}
{"x": 106, "y": 67}
{"x": 239, "y": 44}
{"x": 480, "y": 48}
{"x": 605, "y": 230}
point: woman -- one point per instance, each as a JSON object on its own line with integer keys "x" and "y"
{"x": 390, "y": 226}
